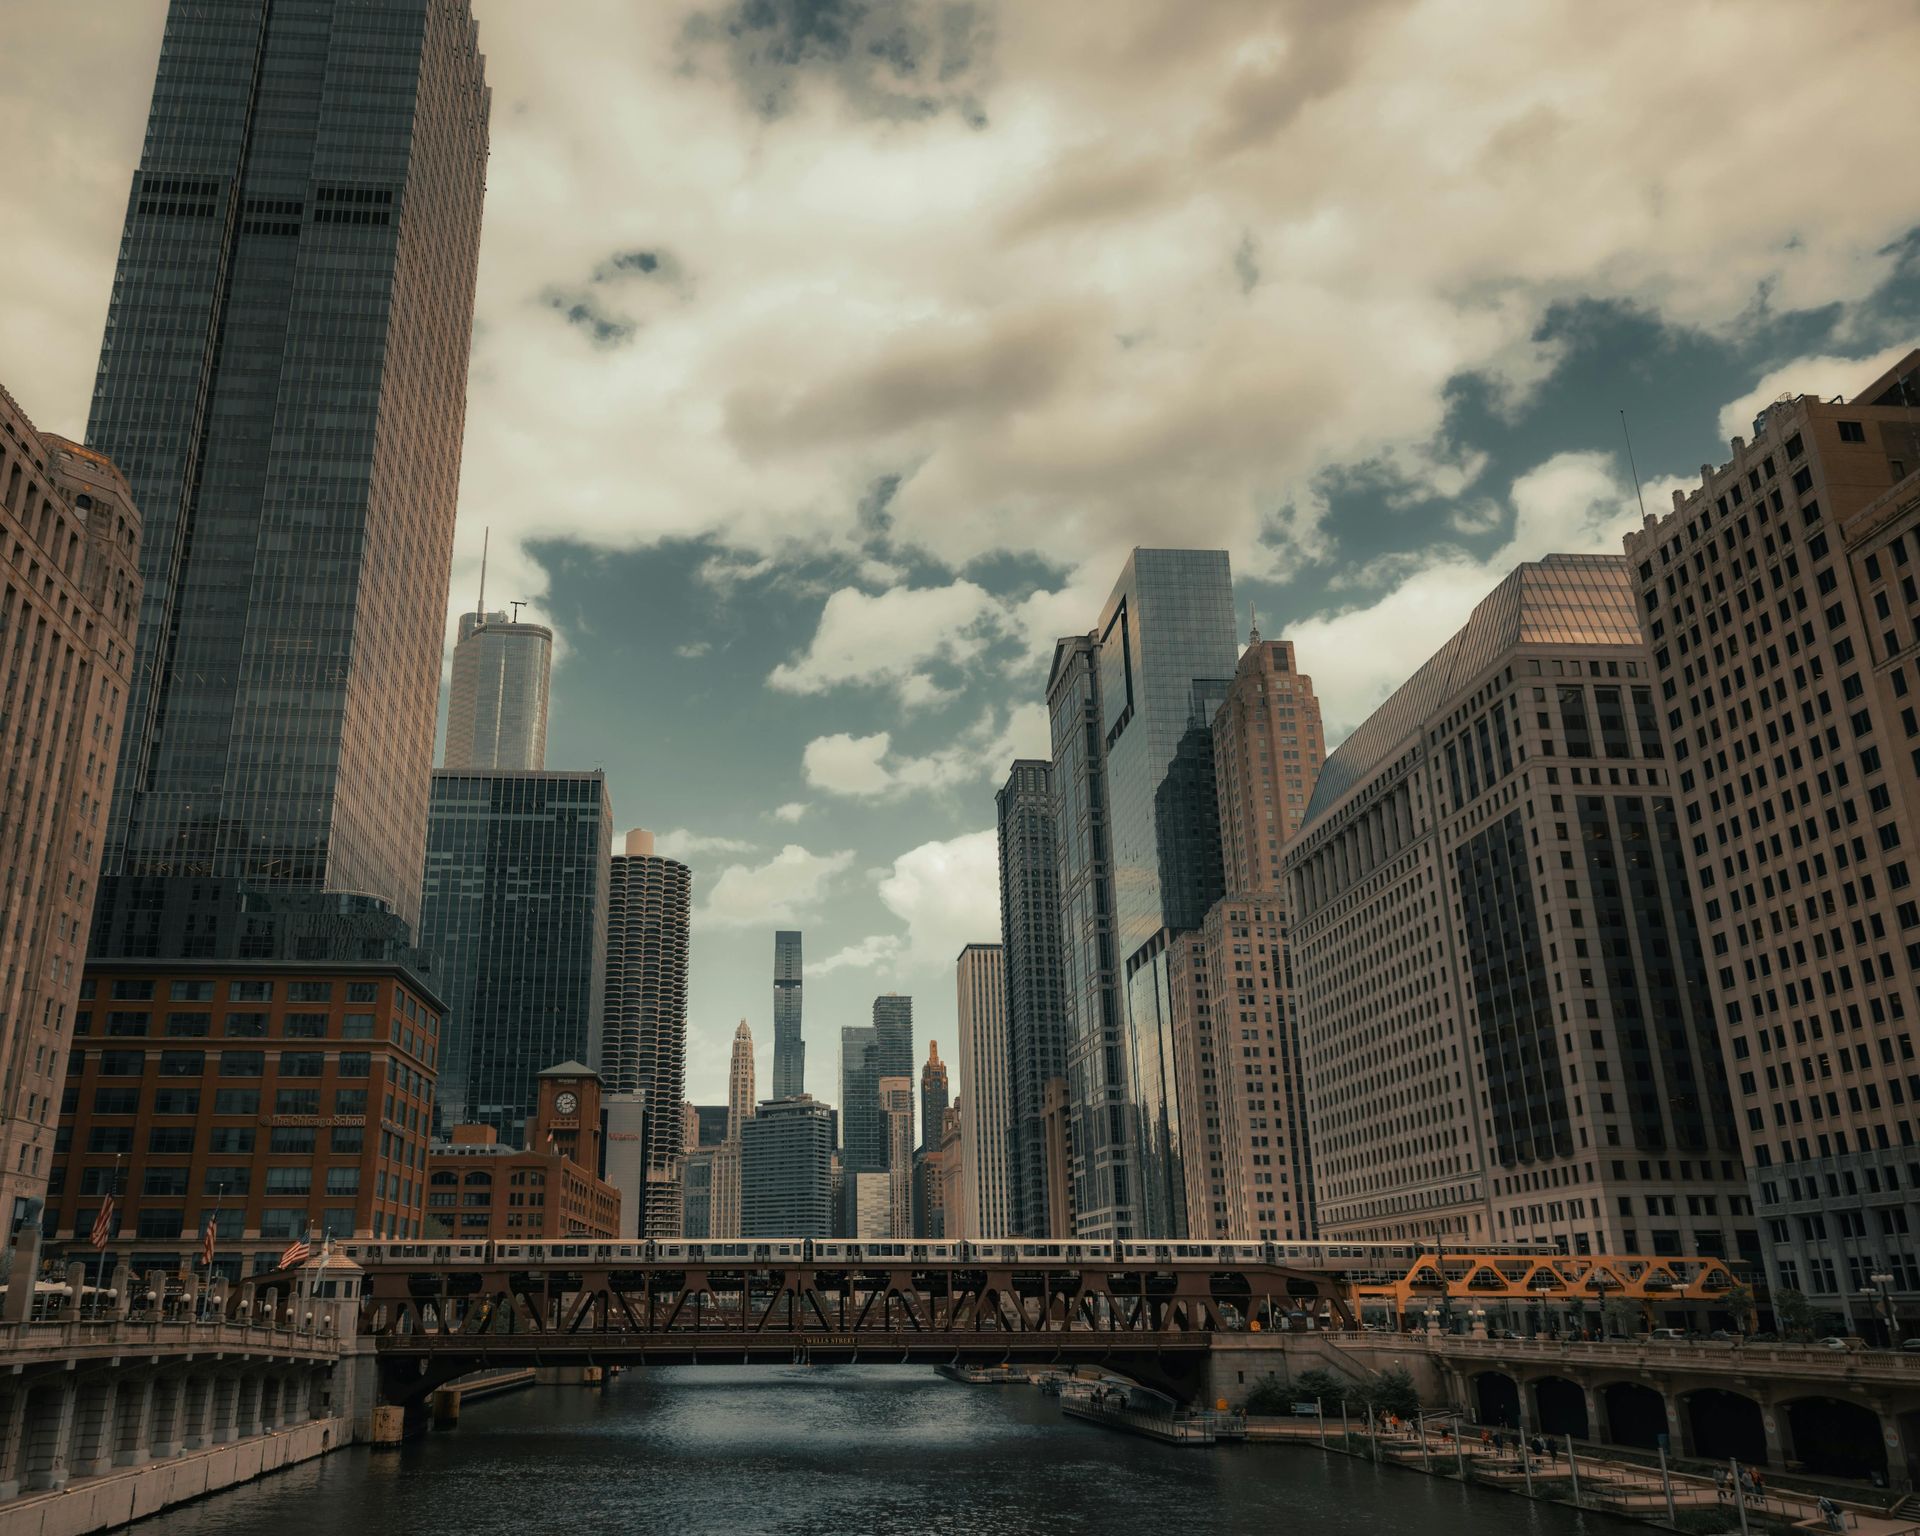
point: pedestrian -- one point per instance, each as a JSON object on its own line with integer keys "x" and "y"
{"x": 1722, "y": 1486}
{"x": 1759, "y": 1485}
{"x": 1486, "y": 1438}
{"x": 1830, "y": 1512}
{"x": 1746, "y": 1486}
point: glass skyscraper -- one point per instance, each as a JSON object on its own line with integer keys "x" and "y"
{"x": 863, "y": 1147}
{"x": 517, "y": 881}
{"x": 1140, "y": 862}
{"x": 497, "y": 695}
{"x": 789, "y": 1048}
{"x": 786, "y": 1170}
{"x": 283, "y": 381}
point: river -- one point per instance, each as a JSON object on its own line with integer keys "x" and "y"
{"x": 850, "y": 1451}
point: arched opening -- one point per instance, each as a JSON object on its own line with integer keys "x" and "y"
{"x": 1835, "y": 1438}
{"x": 1636, "y": 1415}
{"x": 1498, "y": 1398}
{"x": 1726, "y": 1424}
{"x": 1560, "y": 1408}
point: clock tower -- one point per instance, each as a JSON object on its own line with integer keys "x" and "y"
{"x": 568, "y": 1115}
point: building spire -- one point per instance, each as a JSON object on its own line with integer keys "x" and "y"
{"x": 1253, "y": 625}
{"x": 480, "y": 608}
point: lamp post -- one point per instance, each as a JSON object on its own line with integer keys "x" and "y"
{"x": 1878, "y": 1286}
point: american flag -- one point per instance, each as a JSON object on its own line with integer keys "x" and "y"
{"x": 206, "y": 1244}
{"x": 298, "y": 1252}
{"x": 103, "y": 1225}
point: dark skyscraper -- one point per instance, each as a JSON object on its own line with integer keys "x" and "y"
{"x": 892, "y": 1048}
{"x": 1130, "y": 704}
{"x": 516, "y": 917}
{"x": 863, "y": 1145}
{"x": 650, "y": 903}
{"x": 283, "y": 381}
{"x": 1036, "y": 999}
{"x": 786, "y": 1162}
{"x": 935, "y": 1094}
{"x": 789, "y": 1049}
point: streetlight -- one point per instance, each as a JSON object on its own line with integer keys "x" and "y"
{"x": 1878, "y": 1286}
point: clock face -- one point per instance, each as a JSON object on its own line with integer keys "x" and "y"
{"x": 566, "y": 1103}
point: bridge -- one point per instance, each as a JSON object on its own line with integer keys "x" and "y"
{"x": 1155, "y": 1324}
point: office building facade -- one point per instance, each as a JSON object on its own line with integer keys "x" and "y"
{"x": 935, "y": 1095}
{"x": 497, "y": 694}
{"x": 1131, "y": 706}
{"x": 1780, "y": 602}
{"x": 863, "y": 1136}
{"x": 69, "y": 605}
{"x": 283, "y": 382}
{"x": 789, "y": 1045}
{"x": 650, "y": 908}
{"x": 515, "y": 914}
{"x": 1505, "y": 1018}
{"x": 1036, "y": 982}
{"x": 985, "y": 1088}
{"x": 896, "y": 1105}
{"x": 478, "y": 1187}
{"x": 786, "y": 1170}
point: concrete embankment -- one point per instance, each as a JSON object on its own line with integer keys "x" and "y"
{"x": 114, "y": 1499}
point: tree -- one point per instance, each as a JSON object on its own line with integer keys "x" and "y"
{"x": 1621, "y": 1317}
{"x": 1325, "y": 1388}
{"x": 1392, "y": 1391}
{"x": 1795, "y": 1313}
{"x": 1270, "y": 1396}
{"x": 1738, "y": 1300}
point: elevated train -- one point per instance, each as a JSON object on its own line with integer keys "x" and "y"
{"x": 1041, "y": 1253}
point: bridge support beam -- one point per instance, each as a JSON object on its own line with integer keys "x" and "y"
{"x": 169, "y": 1400}
{"x": 91, "y": 1450}
{"x": 225, "y": 1407}
{"x": 13, "y": 1407}
{"x": 132, "y": 1420}
{"x": 48, "y": 1435}
{"x": 196, "y": 1412}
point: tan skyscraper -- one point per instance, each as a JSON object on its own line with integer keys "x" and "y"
{"x": 497, "y": 694}
{"x": 1505, "y": 1021}
{"x": 896, "y": 1105}
{"x": 1780, "y": 602}
{"x": 726, "y": 1161}
{"x": 985, "y": 1090}
{"x": 1236, "y": 1039}
{"x": 70, "y": 537}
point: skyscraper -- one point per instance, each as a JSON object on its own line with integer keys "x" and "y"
{"x": 896, "y": 1105}
{"x": 1036, "y": 988}
{"x": 980, "y": 979}
{"x": 649, "y": 908}
{"x": 283, "y": 381}
{"x": 786, "y": 1170}
{"x": 893, "y": 1035}
{"x": 515, "y": 916}
{"x": 1780, "y": 603}
{"x": 1504, "y": 1010}
{"x": 68, "y": 607}
{"x": 497, "y": 695}
{"x": 863, "y": 1136}
{"x": 726, "y": 1161}
{"x": 789, "y": 1047}
{"x": 934, "y": 1095}
{"x": 1235, "y": 1024}
{"x": 1131, "y": 705}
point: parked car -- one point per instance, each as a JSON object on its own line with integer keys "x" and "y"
{"x": 1911, "y": 1346}
{"x": 1834, "y": 1341}
{"x": 1668, "y": 1336}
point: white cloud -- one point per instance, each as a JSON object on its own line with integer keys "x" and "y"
{"x": 1573, "y": 503}
{"x": 1824, "y": 377}
{"x": 874, "y": 952}
{"x": 682, "y": 844}
{"x": 889, "y": 639}
{"x": 793, "y": 810}
{"x": 948, "y": 894}
{"x": 866, "y": 767}
{"x": 779, "y": 891}
{"x": 693, "y": 650}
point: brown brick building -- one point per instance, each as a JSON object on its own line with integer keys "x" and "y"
{"x": 69, "y": 601}
{"x": 274, "y": 1096}
{"x": 549, "y": 1188}
{"x": 1781, "y": 603}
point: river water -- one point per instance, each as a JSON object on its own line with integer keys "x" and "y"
{"x": 850, "y": 1451}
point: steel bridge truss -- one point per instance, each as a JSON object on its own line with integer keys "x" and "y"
{"x": 1469, "y": 1276}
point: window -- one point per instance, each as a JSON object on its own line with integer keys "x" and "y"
{"x": 343, "y": 1181}
{"x": 302, "y": 1063}
{"x": 306, "y": 1026}
{"x": 183, "y": 1063}
{"x": 309, "y": 991}
{"x": 190, "y": 992}
{"x": 110, "y": 1138}
{"x": 160, "y": 1225}
{"x": 356, "y": 1064}
{"x": 1851, "y": 431}
{"x": 122, "y": 1063}
{"x": 236, "y": 1140}
{"x": 363, "y": 991}
{"x": 236, "y": 1101}
{"x": 176, "y": 1101}
{"x": 116, "y": 1101}
{"x": 350, "y": 1101}
{"x": 165, "y": 1181}
{"x": 348, "y": 1138}
{"x": 242, "y": 1063}
{"x": 249, "y": 991}
{"x": 337, "y": 1221}
{"x": 358, "y": 1026}
{"x": 126, "y": 1022}
{"x": 188, "y": 1026}
{"x": 289, "y": 1181}
{"x": 173, "y": 1139}
{"x": 246, "y": 1026}
{"x": 290, "y": 1138}
{"x": 287, "y": 1222}
{"x": 297, "y": 1101}
{"x": 132, "y": 991}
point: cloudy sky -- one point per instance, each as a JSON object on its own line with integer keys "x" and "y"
{"x": 831, "y": 353}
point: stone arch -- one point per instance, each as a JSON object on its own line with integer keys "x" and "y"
{"x": 1636, "y": 1413}
{"x": 1496, "y": 1397}
{"x": 1560, "y": 1407}
{"x": 1724, "y": 1424}
{"x": 1836, "y": 1438}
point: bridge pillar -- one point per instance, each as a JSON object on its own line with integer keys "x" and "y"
{"x": 269, "y": 1401}
{"x": 1679, "y": 1425}
{"x": 12, "y": 1438}
{"x": 196, "y": 1412}
{"x": 91, "y": 1450}
{"x": 223, "y": 1407}
{"x": 1902, "y": 1464}
{"x": 1779, "y": 1432}
{"x": 122, "y": 1290}
{"x": 1597, "y": 1426}
{"x": 246, "y": 1408}
{"x": 48, "y": 1435}
{"x": 169, "y": 1400}
{"x": 132, "y": 1421}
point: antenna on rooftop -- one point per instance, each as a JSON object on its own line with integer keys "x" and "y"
{"x": 1633, "y": 468}
{"x": 480, "y": 608}
{"x": 518, "y": 603}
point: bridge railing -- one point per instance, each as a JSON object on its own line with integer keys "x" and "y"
{"x": 1801, "y": 1359}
